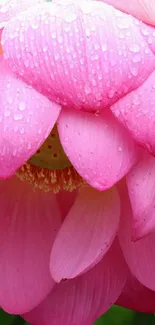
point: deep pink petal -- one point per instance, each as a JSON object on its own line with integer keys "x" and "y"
{"x": 104, "y": 150}
{"x": 82, "y": 300}
{"x": 86, "y": 234}
{"x": 65, "y": 201}
{"x": 86, "y": 54}
{"x": 139, "y": 255}
{"x": 137, "y": 297}
{"x": 26, "y": 119}
{"x": 10, "y": 8}
{"x": 29, "y": 223}
{"x": 141, "y": 188}
{"x": 137, "y": 112}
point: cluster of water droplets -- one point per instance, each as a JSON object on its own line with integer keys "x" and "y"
{"x": 84, "y": 55}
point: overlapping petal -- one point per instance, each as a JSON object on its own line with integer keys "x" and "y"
{"x": 142, "y": 9}
{"x": 137, "y": 297}
{"x": 29, "y": 223}
{"x": 141, "y": 188}
{"x": 140, "y": 254}
{"x": 86, "y": 233}
{"x": 100, "y": 149}
{"x": 86, "y": 54}
{"x": 137, "y": 112}
{"x": 82, "y": 300}
{"x": 26, "y": 119}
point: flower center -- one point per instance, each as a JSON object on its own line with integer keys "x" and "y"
{"x": 49, "y": 168}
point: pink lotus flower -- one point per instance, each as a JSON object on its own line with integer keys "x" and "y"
{"x": 75, "y": 81}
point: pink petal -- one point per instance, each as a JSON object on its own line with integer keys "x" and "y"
{"x": 137, "y": 112}
{"x": 10, "y": 8}
{"x": 29, "y": 223}
{"x": 65, "y": 201}
{"x": 86, "y": 234}
{"x": 142, "y": 9}
{"x": 26, "y": 119}
{"x": 137, "y": 297}
{"x": 87, "y": 55}
{"x": 139, "y": 255}
{"x": 141, "y": 188}
{"x": 104, "y": 150}
{"x": 82, "y": 300}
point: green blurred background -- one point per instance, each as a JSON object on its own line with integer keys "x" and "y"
{"x": 115, "y": 316}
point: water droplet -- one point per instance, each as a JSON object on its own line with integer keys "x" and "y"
{"x": 144, "y": 31}
{"x": 22, "y": 130}
{"x": 95, "y": 57}
{"x": 45, "y": 49}
{"x": 86, "y": 8}
{"x": 120, "y": 149}
{"x": 82, "y": 61}
{"x": 117, "y": 113}
{"x": 123, "y": 23}
{"x": 96, "y": 46}
{"x": 136, "y": 101}
{"x": 94, "y": 83}
{"x": 100, "y": 77}
{"x": 134, "y": 71}
{"x": 134, "y": 48}
{"x": 104, "y": 47}
{"x": 70, "y": 17}
{"x": 29, "y": 146}
{"x": 7, "y": 113}
{"x": 136, "y": 58}
{"x": 8, "y": 84}
{"x": 22, "y": 106}
{"x": 111, "y": 93}
{"x": 97, "y": 113}
{"x": 35, "y": 25}
{"x": 4, "y": 9}
{"x": 60, "y": 39}
{"x": 10, "y": 100}
{"x": 121, "y": 35}
{"x": 88, "y": 32}
{"x": 18, "y": 116}
{"x": 87, "y": 89}
{"x": 53, "y": 35}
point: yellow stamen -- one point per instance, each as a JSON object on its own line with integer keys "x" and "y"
{"x": 49, "y": 169}
{"x": 51, "y": 180}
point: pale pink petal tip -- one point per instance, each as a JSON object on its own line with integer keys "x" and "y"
{"x": 86, "y": 233}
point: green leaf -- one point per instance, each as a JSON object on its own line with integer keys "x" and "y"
{"x": 117, "y": 316}
{"x": 121, "y": 316}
